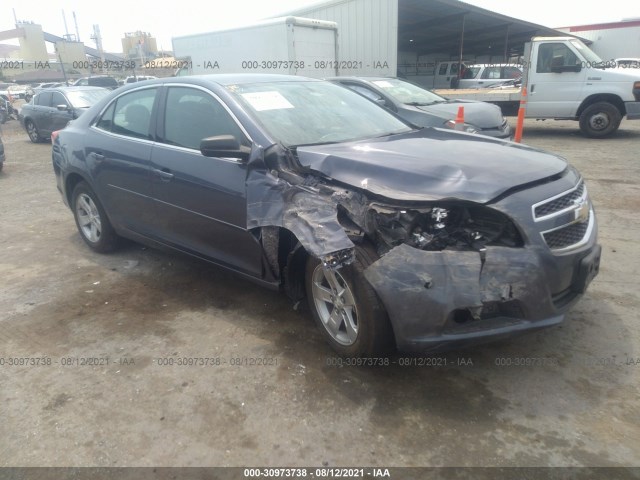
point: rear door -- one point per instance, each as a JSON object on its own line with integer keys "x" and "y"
{"x": 118, "y": 152}
{"x": 201, "y": 201}
{"x": 41, "y": 112}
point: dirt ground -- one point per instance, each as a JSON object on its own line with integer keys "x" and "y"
{"x": 107, "y": 340}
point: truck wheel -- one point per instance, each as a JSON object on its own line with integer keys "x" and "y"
{"x": 91, "y": 220}
{"x": 600, "y": 120}
{"x": 347, "y": 310}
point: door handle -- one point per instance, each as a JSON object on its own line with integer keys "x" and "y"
{"x": 164, "y": 174}
{"x": 532, "y": 89}
{"x": 97, "y": 156}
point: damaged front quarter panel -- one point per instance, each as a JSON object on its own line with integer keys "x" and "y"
{"x": 438, "y": 297}
{"x": 309, "y": 213}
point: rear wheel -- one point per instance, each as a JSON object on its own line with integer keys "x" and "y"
{"x": 32, "y": 131}
{"x": 347, "y": 310}
{"x": 91, "y": 220}
{"x": 600, "y": 120}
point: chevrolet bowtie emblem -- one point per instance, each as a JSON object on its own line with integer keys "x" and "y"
{"x": 582, "y": 210}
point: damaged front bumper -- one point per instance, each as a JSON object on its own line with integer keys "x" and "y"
{"x": 446, "y": 299}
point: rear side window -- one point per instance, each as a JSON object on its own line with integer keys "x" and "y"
{"x": 192, "y": 115}
{"x": 130, "y": 114}
{"x": 443, "y": 69}
{"x": 43, "y": 99}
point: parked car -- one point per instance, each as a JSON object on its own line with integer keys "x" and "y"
{"x": 104, "y": 81}
{"x": 4, "y": 88}
{"x": 419, "y": 238}
{"x": 7, "y": 110}
{"x": 18, "y": 91}
{"x": 138, "y": 78}
{"x": 489, "y": 75}
{"x": 426, "y": 109}
{"x": 53, "y": 108}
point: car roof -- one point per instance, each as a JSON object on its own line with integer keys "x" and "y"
{"x": 70, "y": 89}
{"x": 225, "y": 79}
{"x": 364, "y": 79}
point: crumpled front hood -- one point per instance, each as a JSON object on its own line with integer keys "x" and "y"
{"x": 479, "y": 114}
{"x": 432, "y": 164}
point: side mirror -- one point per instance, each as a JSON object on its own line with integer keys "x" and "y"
{"x": 226, "y": 146}
{"x": 63, "y": 108}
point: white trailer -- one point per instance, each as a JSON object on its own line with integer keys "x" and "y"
{"x": 287, "y": 45}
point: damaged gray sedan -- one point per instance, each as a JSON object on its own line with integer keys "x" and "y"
{"x": 416, "y": 239}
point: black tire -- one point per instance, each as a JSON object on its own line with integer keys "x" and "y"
{"x": 373, "y": 332}
{"x": 3, "y": 118}
{"x": 32, "y": 131}
{"x": 600, "y": 120}
{"x": 92, "y": 221}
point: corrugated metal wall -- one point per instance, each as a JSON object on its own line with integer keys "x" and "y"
{"x": 610, "y": 43}
{"x": 367, "y": 34}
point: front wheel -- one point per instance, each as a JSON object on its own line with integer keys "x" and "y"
{"x": 600, "y": 120}
{"x": 347, "y": 310}
{"x": 91, "y": 220}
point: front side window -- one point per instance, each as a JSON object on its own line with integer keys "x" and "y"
{"x": 130, "y": 114}
{"x": 552, "y": 55}
{"x": 58, "y": 99}
{"x": 192, "y": 115}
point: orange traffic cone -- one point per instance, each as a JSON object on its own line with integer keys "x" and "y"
{"x": 460, "y": 120}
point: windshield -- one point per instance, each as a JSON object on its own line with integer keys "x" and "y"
{"x": 408, "y": 93}
{"x": 86, "y": 98}
{"x": 586, "y": 52}
{"x": 308, "y": 112}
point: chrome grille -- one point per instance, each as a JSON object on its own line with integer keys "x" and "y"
{"x": 558, "y": 204}
{"x": 566, "y": 236}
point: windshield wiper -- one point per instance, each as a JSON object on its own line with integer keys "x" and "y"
{"x": 422, "y": 104}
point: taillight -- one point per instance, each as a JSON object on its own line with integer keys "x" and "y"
{"x": 636, "y": 91}
{"x": 54, "y": 135}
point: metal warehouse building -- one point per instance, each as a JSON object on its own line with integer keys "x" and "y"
{"x": 409, "y": 36}
{"x": 611, "y": 40}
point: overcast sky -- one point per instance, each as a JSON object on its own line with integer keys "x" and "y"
{"x": 184, "y": 17}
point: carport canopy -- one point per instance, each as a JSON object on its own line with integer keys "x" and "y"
{"x": 454, "y": 28}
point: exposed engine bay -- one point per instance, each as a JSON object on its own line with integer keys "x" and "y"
{"x": 431, "y": 228}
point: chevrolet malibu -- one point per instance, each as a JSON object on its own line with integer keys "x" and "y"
{"x": 416, "y": 239}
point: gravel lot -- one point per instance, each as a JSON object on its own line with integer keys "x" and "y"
{"x": 138, "y": 310}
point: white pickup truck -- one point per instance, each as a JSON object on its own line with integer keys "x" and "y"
{"x": 566, "y": 80}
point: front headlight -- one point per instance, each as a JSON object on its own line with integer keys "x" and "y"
{"x": 465, "y": 127}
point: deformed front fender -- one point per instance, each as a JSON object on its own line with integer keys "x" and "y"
{"x": 307, "y": 212}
